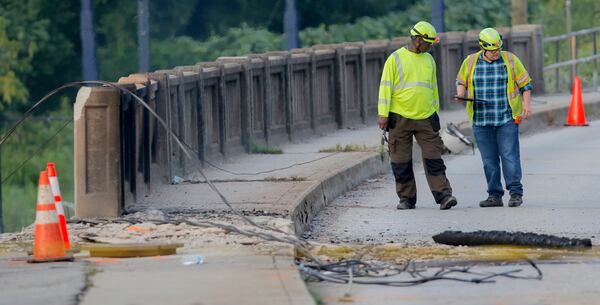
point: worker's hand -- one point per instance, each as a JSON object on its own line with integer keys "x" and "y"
{"x": 526, "y": 104}
{"x": 460, "y": 92}
{"x": 526, "y": 111}
{"x": 382, "y": 122}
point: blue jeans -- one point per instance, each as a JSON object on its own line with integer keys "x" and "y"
{"x": 500, "y": 144}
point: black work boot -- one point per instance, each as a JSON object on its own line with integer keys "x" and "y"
{"x": 406, "y": 204}
{"x": 491, "y": 201}
{"x": 515, "y": 200}
{"x": 448, "y": 202}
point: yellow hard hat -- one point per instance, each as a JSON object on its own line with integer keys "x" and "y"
{"x": 426, "y": 31}
{"x": 490, "y": 39}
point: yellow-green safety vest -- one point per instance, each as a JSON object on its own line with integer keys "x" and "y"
{"x": 517, "y": 78}
{"x": 408, "y": 85}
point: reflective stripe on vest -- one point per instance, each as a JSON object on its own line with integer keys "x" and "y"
{"x": 404, "y": 85}
{"x": 383, "y": 101}
{"x": 399, "y": 68}
{"x": 472, "y": 60}
{"x": 511, "y": 68}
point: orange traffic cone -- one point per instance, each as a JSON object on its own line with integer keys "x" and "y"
{"x": 62, "y": 221}
{"x": 48, "y": 245}
{"x": 576, "y": 116}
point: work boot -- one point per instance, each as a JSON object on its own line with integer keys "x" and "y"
{"x": 448, "y": 202}
{"x": 491, "y": 201}
{"x": 515, "y": 200}
{"x": 405, "y": 204}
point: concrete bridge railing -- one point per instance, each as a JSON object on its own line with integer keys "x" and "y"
{"x": 221, "y": 109}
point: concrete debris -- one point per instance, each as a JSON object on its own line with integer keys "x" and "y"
{"x": 138, "y": 228}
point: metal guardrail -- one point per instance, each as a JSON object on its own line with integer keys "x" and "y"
{"x": 566, "y": 36}
{"x": 574, "y": 55}
{"x": 572, "y": 62}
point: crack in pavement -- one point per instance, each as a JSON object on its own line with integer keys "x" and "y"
{"x": 89, "y": 271}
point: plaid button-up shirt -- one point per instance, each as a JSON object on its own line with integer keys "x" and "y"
{"x": 489, "y": 84}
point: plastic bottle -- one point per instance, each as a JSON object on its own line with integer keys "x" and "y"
{"x": 189, "y": 260}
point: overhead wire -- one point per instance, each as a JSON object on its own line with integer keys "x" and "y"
{"x": 36, "y": 153}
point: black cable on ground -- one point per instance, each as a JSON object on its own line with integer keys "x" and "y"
{"x": 467, "y": 275}
{"x": 268, "y": 171}
{"x": 478, "y": 238}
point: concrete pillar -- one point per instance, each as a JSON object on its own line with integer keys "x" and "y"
{"x": 340, "y": 86}
{"x": 289, "y": 96}
{"x": 363, "y": 85}
{"x": 313, "y": 90}
{"x": 97, "y": 153}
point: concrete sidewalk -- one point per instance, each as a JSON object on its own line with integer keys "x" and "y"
{"x": 232, "y": 278}
{"x": 231, "y": 275}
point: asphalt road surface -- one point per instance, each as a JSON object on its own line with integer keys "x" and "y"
{"x": 562, "y": 188}
{"x": 561, "y": 178}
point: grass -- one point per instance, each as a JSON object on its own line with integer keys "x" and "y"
{"x": 19, "y": 192}
{"x": 347, "y": 148}
{"x": 258, "y": 149}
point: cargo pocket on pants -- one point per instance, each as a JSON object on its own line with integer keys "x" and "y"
{"x": 392, "y": 145}
{"x": 435, "y": 122}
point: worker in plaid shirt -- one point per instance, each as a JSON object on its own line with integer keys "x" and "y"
{"x": 496, "y": 79}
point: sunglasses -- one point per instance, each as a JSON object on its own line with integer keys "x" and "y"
{"x": 497, "y": 45}
{"x": 426, "y": 37}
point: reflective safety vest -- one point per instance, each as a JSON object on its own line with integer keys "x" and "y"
{"x": 517, "y": 78}
{"x": 408, "y": 85}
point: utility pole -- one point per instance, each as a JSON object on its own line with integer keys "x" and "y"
{"x": 143, "y": 35}
{"x": 88, "y": 41}
{"x": 519, "y": 12}
{"x": 290, "y": 25}
{"x": 437, "y": 15}
{"x": 572, "y": 42}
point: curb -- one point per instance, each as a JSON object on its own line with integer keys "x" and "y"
{"x": 556, "y": 117}
{"x": 323, "y": 191}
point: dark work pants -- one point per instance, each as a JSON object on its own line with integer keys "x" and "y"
{"x": 425, "y": 131}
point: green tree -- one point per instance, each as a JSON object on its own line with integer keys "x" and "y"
{"x": 184, "y": 50}
{"x": 388, "y": 26}
{"x": 14, "y": 60}
{"x": 36, "y": 50}
{"x": 22, "y": 34}
{"x": 551, "y": 14}
{"x": 466, "y": 15}
{"x": 116, "y": 31}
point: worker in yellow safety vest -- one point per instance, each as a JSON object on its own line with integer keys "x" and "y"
{"x": 494, "y": 81}
{"x": 407, "y": 106}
